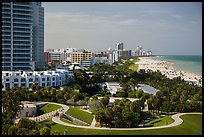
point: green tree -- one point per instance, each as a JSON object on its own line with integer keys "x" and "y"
{"x": 48, "y": 89}
{"x": 166, "y": 106}
{"x": 34, "y": 132}
{"x": 94, "y": 105}
{"x": 11, "y": 105}
{"x": 139, "y": 93}
{"x": 5, "y": 129}
{"x": 105, "y": 100}
{"x": 22, "y": 131}
{"x": 135, "y": 106}
{"x": 45, "y": 131}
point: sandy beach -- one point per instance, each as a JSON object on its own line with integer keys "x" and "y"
{"x": 167, "y": 69}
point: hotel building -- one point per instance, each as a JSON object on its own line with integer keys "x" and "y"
{"x": 22, "y": 36}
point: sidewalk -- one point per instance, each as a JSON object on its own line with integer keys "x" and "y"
{"x": 176, "y": 117}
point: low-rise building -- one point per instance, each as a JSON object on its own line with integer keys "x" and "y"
{"x": 112, "y": 87}
{"x": 82, "y": 57}
{"x": 25, "y": 79}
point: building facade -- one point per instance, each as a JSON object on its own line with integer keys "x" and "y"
{"x": 25, "y": 79}
{"x": 55, "y": 57}
{"x": 22, "y": 36}
{"x": 83, "y": 58}
{"x": 119, "y": 46}
{"x": 124, "y": 53}
{"x": 100, "y": 57}
{"x": 38, "y": 34}
{"x": 47, "y": 58}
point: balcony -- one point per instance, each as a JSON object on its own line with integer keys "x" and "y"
{"x": 16, "y": 12}
{"x": 22, "y": 21}
{"x": 22, "y": 4}
{"x": 22, "y": 35}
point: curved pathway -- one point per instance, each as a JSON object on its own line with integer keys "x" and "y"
{"x": 52, "y": 113}
{"x": 176, "y": 117}
{"x": 93, "y": 122}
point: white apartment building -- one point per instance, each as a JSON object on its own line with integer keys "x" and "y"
{"x": 25, "y": 79}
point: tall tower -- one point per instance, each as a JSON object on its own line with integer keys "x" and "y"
{"x": 18, "y": 34}
{"x": 38, "y": 34}
{"x": 119, "y": 46}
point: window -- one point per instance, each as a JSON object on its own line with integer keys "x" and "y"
{"x": 48, "y": 78}
{"x": 43, "y": 84}
{"x": 53, "y": 79}
{"x": 7, "y": 85}
{"x": 30, "y": 80}
{"x": 36, "y": 79}
{"x": 43, "y": 79}
{"x": 15, "y": 80}
{"x": 60, "y": 78}
{"x": 7, "y": 79}
{"x": 15, "y": 85}
{"x": 53, "y": 83}
{"x": 23, "y": 79}
{"x": 23, "y": 85}
{"x": 30, "y": 84}
{"x": 7, "y": 74}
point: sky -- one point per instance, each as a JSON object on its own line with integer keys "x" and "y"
{"x": 165, "y": 28}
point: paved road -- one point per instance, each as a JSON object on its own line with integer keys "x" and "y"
{"x": 50, "y": 114}
{"x": 65, "y": 107}
{"x": 176, "y": 117}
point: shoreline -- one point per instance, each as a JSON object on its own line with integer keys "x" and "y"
{"x": 167, "y": 68}
{"x": 178, "y": 64}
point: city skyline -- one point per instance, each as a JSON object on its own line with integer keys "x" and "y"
{"x": 170, "y": 28}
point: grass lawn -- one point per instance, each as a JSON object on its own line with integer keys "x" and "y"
{"x": 133, "y": 67}
{"x": 136, "y": 59}
{"x": 80, "y": 114}
{"x": 67, "y": 121}
{"x": 48, "y": 108}
{"x": 160, "y": 121}
{"x": 192, "y": 125}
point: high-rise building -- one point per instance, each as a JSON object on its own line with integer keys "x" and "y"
{"x": 38, "y": 34}
{"x": 119, "y": 46}
{"x": 124, "y": 53}
{"x": 22, "y": 36}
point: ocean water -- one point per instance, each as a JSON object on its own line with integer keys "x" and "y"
{"x": 188, "y": 63}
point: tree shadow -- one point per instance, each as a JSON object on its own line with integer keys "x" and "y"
{"x": 155, "y": 122}
{"x": 39, "y": 112}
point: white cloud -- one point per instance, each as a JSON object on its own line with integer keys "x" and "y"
{"x": 195, "y": 21}
{"x": 130, "y": 22}
{"x": 91, "y": 32}
{"x": 176, "y": 16}
{"x": 84, "y": 29}
{"x": 154, "y": 11}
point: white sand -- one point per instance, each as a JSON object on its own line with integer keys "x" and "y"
{"x": 166, "y": 68}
